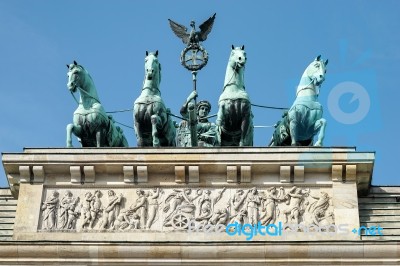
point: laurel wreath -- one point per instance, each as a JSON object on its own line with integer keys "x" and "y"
{"x": 194, "y": 67}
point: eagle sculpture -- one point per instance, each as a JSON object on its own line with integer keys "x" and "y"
{"x": 192, "y": 37}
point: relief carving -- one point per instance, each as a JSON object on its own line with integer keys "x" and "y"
{"x": 205, "y": 205}
{"x": 172, "y": 209}
{"x": 319, "y": 210}
{"x": 96, "y": 208}
{"x": 111, "y": 210}
{"x": 179, "y": 208}
{"x": 270, "y": 201}
{"x": 253, "y": 202}
{"x": 295, "y": 200}
{"x": 91, "y": 208}
{"x": 67, "y": 213}
{"x": 153, "y": 206}
{"x": 142, "y": 214}
{"x": 49, "y": 209}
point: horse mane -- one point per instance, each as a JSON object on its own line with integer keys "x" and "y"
{"x": 231, "y": 66}
{"x": 159, "y": 72}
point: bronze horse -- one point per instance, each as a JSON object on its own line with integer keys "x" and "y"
{"x": 91, "y": 124}
{"x": 304, "y": 119}
{"x": 153, "y": 125}
{"x": 235, "y": 119}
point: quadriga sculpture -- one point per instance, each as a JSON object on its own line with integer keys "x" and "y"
{"x": 91, "y": 124}
{"x": 234, "y": 119}
{"x": 153, "y": 125}
{"x": 304, "y": 119}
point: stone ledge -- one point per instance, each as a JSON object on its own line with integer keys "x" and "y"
{"x": 327, "y": 253}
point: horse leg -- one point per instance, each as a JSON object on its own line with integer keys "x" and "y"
{"x": 155, "y": 119}
{"x": 293, "y": 132}
{"x": 69, "y": 135}
{"x": 139, "y": 137}
{"x": 171, "y": 132}
{"x": 138, "y": 114}
{"x": 246, "y": 138}
{"x": 220, "y": 114}
{"x": 272, "y": 142}
{"x": 293, "y": 118}
{"x": 320, "y": 125}
{"x": 71, "y": 128}
{"x": 98, "y": 139}
{"x": 166, "y": 127}
{"x": 218, "y": 122}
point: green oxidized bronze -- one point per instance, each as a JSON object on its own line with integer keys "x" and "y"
{"x": 235, "y": 119}
{"x": 304, "y": 119}
{"x": 91, "y": 124}
{"x": 204, "y": 131}
{"x": 194, "y": 57}
{"x": 195, "y": 130}
{"x": 153, "y": 125}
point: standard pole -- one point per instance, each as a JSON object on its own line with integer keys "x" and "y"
{"x": 192, "y": 114}
{"x": 193, "y": 124}
{"x": 194, "y": 77}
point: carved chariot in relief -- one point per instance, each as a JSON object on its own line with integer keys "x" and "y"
{"x": 174, "y": 209}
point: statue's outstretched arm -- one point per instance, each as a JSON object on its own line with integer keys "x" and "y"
{"x": 184, "y": 108}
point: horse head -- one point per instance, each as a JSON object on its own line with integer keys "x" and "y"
{"x": 79, "y": 78}
{"x": 316, "y": 71}
{"x": 237, "y": 59}
{"x": 76, "y": 79}
{"x": 152, "y": 68}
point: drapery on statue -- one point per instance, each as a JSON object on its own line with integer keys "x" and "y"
{"x": 234, "y": 119}
{"x": 91, "y": 124}
{"x": 153, "y": 125}
{"x": 205, "y": 130}
{"x": 304, "y": 119}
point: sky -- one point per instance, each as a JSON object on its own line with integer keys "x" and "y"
{"x": 110, "y": 38}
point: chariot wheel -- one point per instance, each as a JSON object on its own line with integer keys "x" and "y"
{"x": 180, "y": 221}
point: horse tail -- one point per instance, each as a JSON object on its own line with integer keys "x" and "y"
{"x": 115, "y": 135}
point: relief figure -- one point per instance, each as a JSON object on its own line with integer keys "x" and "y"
{"x": 68, "y": 216}
{"x": 253, "y": 201}
{"x": 49, "y": 208}
{"x": 270, "y": 206}
{"x": 111, "y": 210}
{"x": 152, "y": 207}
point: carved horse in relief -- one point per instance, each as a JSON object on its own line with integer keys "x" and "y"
{"x": 91, "y": 124}
{"x": 234, "y": 118}
{"x": 304, "y": 119}
{"x": 153, "y": 125}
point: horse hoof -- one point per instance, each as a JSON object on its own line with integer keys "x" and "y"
{"x": 69, "y": 146}
{"x": 156, "y": 144}
{"x": 318, "y": 144}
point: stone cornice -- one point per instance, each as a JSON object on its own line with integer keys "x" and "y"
{"x": 187, "y": 165}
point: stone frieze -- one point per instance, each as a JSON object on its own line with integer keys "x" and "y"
{"x": 173, "y": 209}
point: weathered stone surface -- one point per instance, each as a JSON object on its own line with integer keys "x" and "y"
{"x": 297, "y": 181}
{"x": 133, "y": 203}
